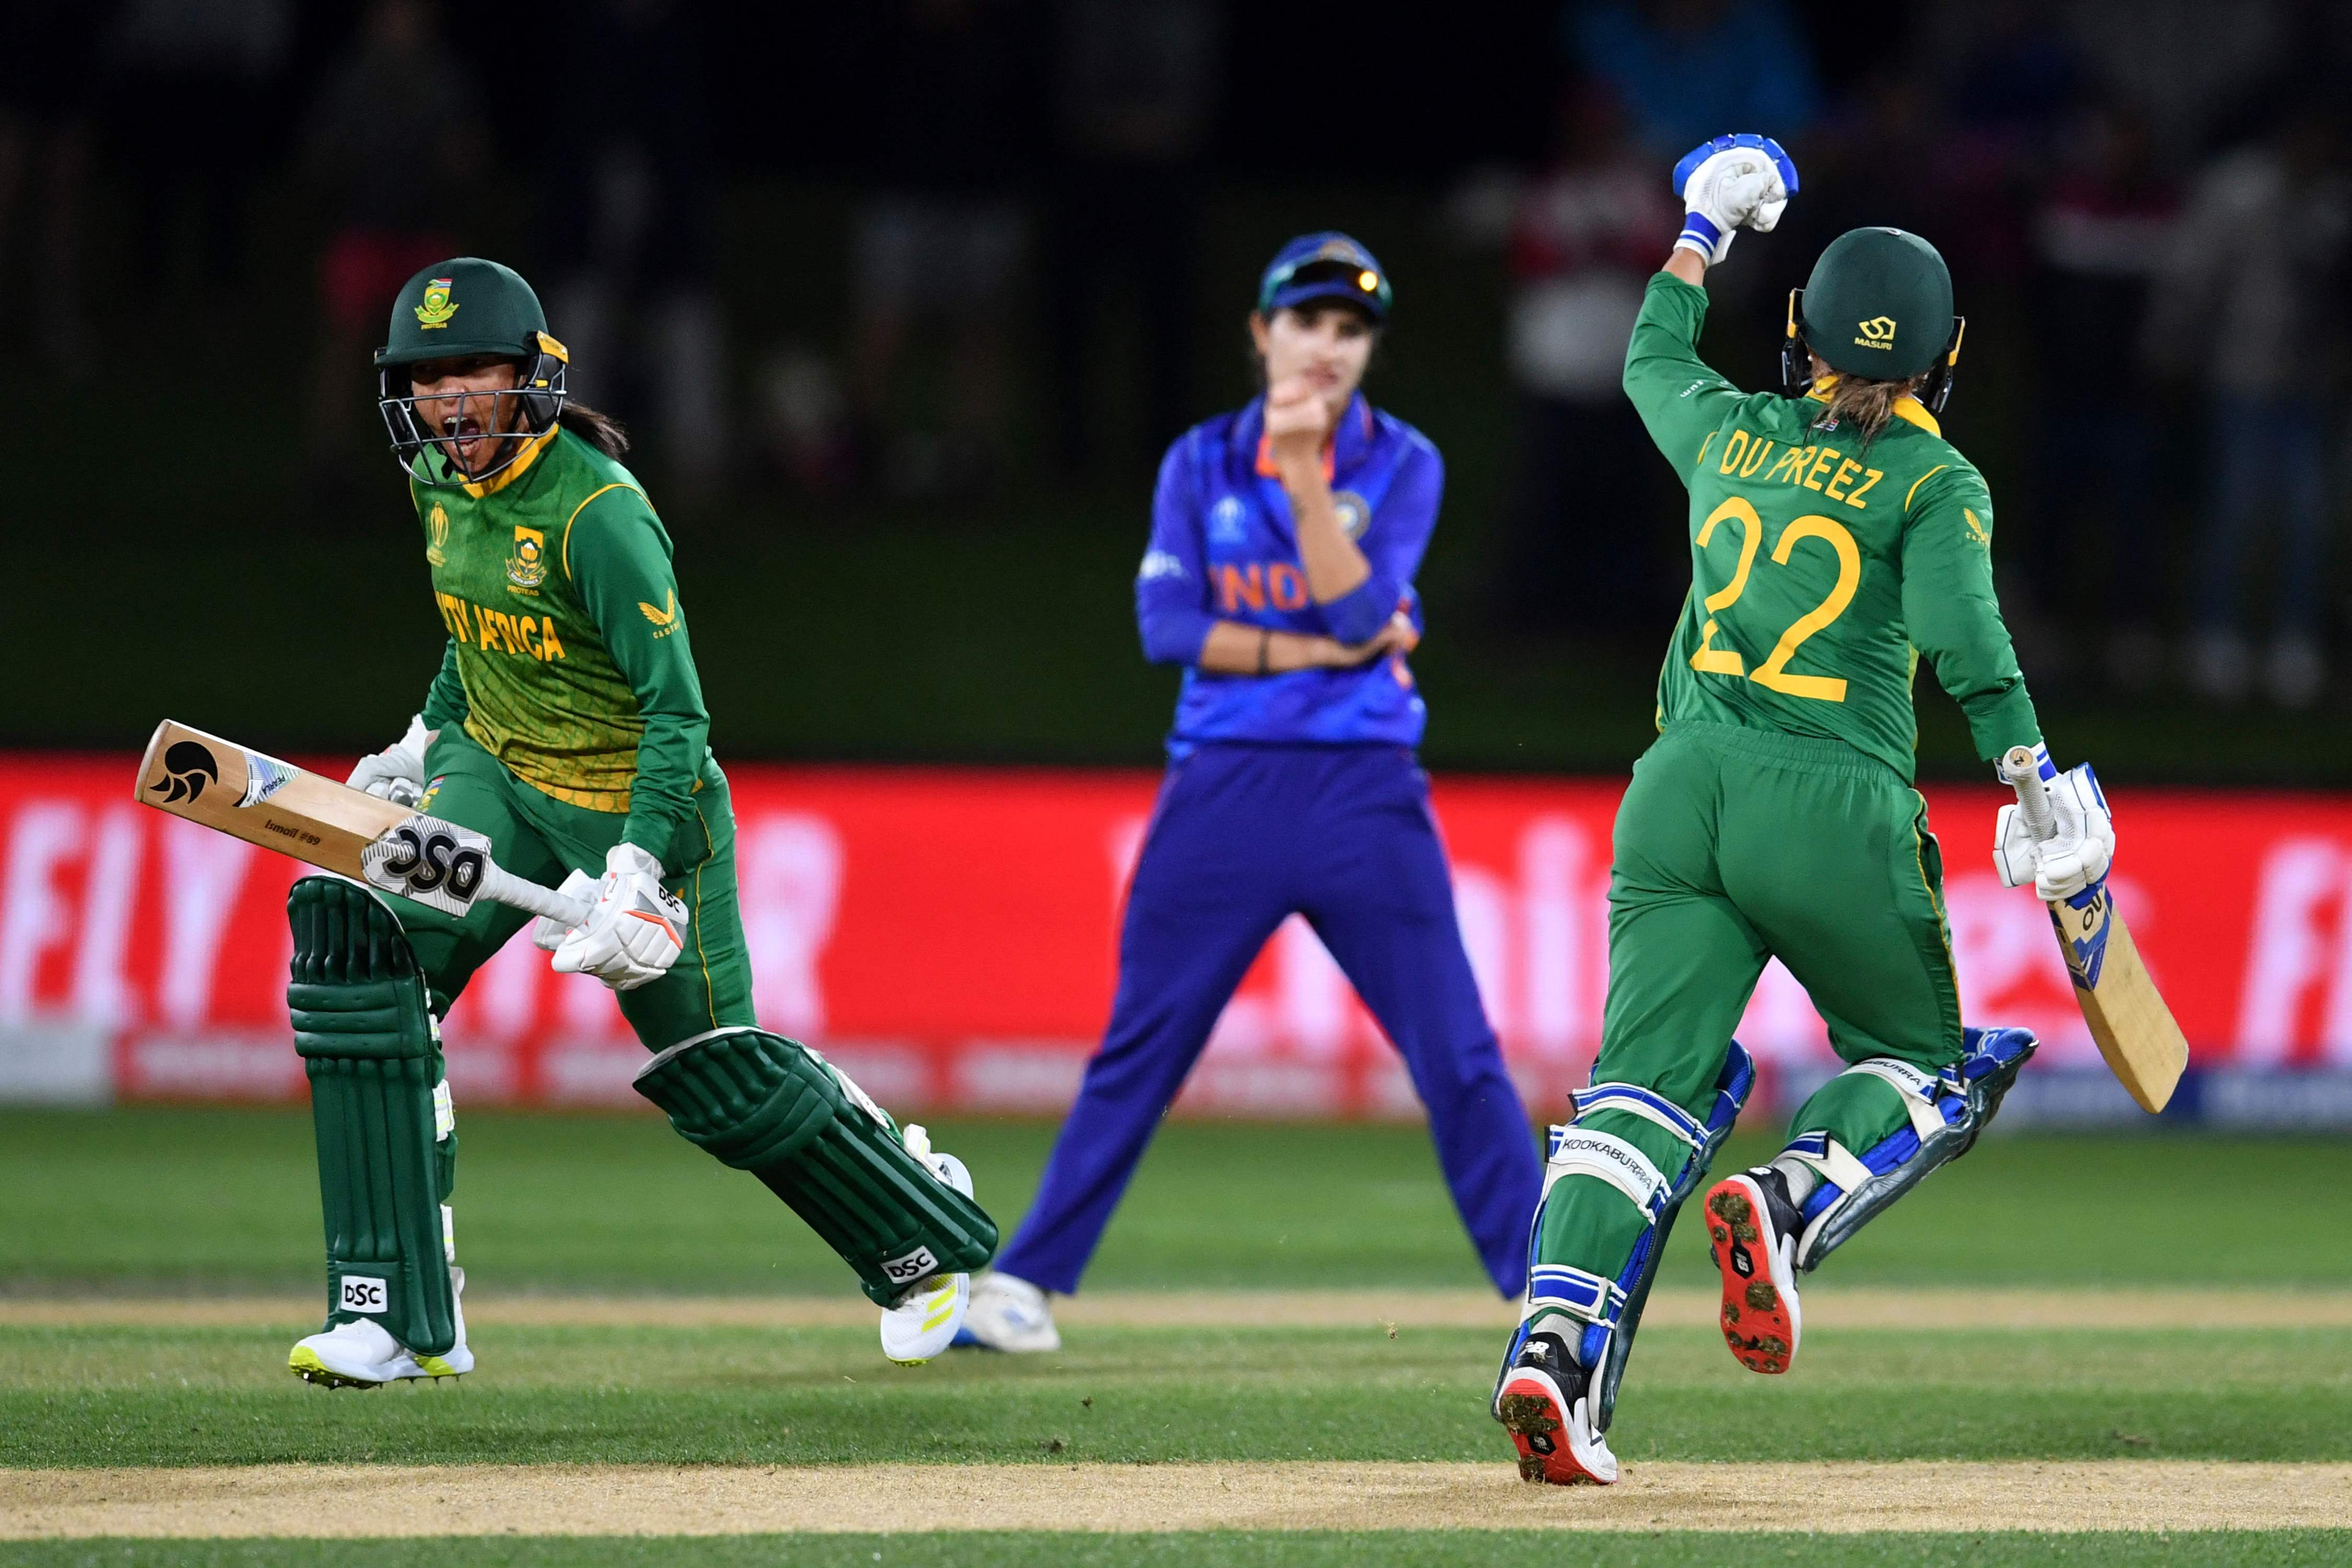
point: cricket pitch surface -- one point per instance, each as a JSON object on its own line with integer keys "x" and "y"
{"x": 385, "y": 1501}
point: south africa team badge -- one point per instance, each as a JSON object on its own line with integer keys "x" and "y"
{"x": 437, "y": 306}
{"x": 527, "y": 567}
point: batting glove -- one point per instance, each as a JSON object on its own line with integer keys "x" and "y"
{"x": 396, "y": 774}
{"x": 2074, "y": 859}
{"x": 636, "y": 931}
{"x": 547, "y": 932}
{"x": 1730, "y": 184}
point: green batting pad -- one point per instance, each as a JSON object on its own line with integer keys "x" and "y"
{"x": 366, "y": 1037}
{"x": 772, "y": 1107}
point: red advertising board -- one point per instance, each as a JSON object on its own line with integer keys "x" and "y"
{"x": 948, "y": 935}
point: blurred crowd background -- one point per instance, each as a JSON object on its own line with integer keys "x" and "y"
{"x": 902, "y": 300}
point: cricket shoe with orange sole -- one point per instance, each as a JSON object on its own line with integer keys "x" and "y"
{"x": 1753, "y": 1227}
{"x": 1543, "y": 1404}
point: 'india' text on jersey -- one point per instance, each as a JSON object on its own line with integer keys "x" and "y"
{"x": 1224, "y": 547}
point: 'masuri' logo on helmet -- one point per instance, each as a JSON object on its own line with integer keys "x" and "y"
{"x": 438, "y": 308}
{"x": 1878, "y": 332}
{"x": 187, "y": 768}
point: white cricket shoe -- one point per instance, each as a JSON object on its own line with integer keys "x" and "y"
{"x": 363, "y": 1354}
{"x": 924, "y": 1320}
{"x": 1545, "y": 1402}
{"x": 1008, "y": 1314}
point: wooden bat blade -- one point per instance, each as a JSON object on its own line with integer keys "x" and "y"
{"x": 333, "y": 826}
{"x": 261, "y": 800}
{"x": 2133, "y": 1029}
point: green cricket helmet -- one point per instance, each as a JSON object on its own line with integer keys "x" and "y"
{"x": 1878, "y": 306}
{"x": 454, "y": 310}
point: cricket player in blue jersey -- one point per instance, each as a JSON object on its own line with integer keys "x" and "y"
{"x": 1284, "y": 538}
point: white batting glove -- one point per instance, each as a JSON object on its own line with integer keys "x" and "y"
{"x": 2077, "y": 855}
{"x": 1729, "y": 184}
{"x": 634, "y": 932}
{"x": 396, "y": 774}
{"x": 547, "y": 933}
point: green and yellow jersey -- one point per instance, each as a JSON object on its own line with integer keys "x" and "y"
{"x": 1823, "y": 564}
{"x": 568, "y": 658}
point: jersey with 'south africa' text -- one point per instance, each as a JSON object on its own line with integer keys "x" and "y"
{"x": 1823, "y": 566}
{"x": 568, "y": 658}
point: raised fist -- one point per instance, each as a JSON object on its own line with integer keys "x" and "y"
{"x": 1730, "y": 184}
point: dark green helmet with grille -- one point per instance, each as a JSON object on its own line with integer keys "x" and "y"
{"x": 467, "y": 308}
{"x": 1878, "y": 306}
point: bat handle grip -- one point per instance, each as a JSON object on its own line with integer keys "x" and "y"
{"x": 2022, "y": 773}
{"x": 505, "y": 887}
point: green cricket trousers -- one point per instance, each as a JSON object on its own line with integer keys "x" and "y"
{"x": 387, "y": 1137}
{"x": 1734, "y": 846}
{"x": 543, "y": 839}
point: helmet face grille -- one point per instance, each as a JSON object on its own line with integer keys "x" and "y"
{"x": 420, "y": 448}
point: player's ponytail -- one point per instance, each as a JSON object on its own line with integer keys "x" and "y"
{"x": 1865, "y": 405}
{"x": 599, "y": 429}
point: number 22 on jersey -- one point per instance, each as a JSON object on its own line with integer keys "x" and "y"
{"x": 1774, "y": 671}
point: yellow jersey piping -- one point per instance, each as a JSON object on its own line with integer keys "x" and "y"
{"x": 1922, "y": 480}
{"x": 615, "y": 485}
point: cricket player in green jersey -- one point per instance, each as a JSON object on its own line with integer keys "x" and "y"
{"x": 1837, "y": 541}
{"x": 567, "y": 724}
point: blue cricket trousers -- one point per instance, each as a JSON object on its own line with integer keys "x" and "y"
{"x": 1242, "y": 837}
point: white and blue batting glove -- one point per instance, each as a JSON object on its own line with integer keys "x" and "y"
{"x": 1729, "y": 184}
{"x": 635, "y": 929}
{"x": 2075, "y": 858}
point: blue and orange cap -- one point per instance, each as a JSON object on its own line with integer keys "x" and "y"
{"x": 1325, "y": 266}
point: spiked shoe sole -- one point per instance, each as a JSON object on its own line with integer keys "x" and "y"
{"x": 1529, "y": 1410}
{"x": 1759, "y": 1303}
{"x": 306, "y": 1365}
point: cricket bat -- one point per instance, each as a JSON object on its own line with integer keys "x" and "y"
{"x": 2135, "y": 1030}
{"x": 275, "y": 804}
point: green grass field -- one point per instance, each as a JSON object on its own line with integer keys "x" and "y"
{"x": 172, "y": 1206}
{"x": 154, "y": 1200}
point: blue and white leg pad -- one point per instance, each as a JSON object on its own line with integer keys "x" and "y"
{"x": 1946, "y": 1110}
{"x": 1610, "y": 1310}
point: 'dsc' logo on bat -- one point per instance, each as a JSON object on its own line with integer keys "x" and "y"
{"x": 187, "y": 768}
{"x": 422, "y": 856}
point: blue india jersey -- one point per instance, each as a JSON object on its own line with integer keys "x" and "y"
{"x": 1223, "y": 548}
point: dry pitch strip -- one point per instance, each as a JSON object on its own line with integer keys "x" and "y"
{"x": 1927, "y": 1495}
